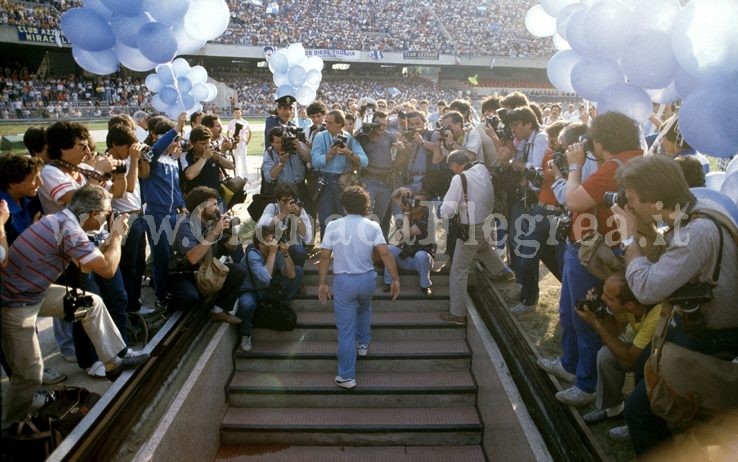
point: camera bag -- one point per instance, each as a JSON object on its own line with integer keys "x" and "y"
{"x": 273, "y": 310}
{"x": 599, "y": 259}
{"x": 463, "y": 228}
{"x": 684, "y": 384}
{"x": 210, "y": 275}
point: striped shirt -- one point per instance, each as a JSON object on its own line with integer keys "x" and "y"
{"x": 39, "y": 256}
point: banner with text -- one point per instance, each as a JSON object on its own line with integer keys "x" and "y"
{"x": 326, "y": 53}
{"x": 41, "y": 35}
{"x": 421, "y": 55}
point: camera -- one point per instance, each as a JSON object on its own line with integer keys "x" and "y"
{"x": 560, "y": 161}
{"x": 237, "y": 131}
{"x": 340, "y": 140}
{"x": 612, "y": 198}
{"x": 598, "y": 307}
{"x": 563, "y": 226}
{"x": 76, "y": 305}
{"x": 688, "y": 300}
{"x": 501, "y": 124}
{"x": 534, "y": 175}
{"x": 587, "y": 143}
{"x": 147, "y": 154}
{"x": 409, "y": 202}
{"x": 119, "y": 169}
{"x": 409, "y": 134}
{"x": 290, "y": 136}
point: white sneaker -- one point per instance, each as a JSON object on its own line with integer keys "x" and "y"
{"x": 246, "y": 343}
{"x": 573, "y": 396}
{"x": 553, "y": 366}
{"x": 97, "y": 370}
{"x": 619, "y": 433}
{"x": 345, "y": 383}
{"x": 520, "y": 308}
{"x": 362, "y": 350}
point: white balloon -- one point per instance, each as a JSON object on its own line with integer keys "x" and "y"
{"x": 656, "y": 14}
{"x": 313, "y": 77}
{"x": 158, "y": 104}
{"x": 181, "y": 67}
{"x": 664, "y": 95}
{"x": 562, "y": 19}
{"x": 153, "y": 83}
{"x": 305, "y": 95}
{"x": 554, "y": 7}
{"x": 559, "y": 42}
{"x": 198, "y": 74}
{"x": 732, "y": 166}
{"x": 199, "y": 91}
{"x": 280, "y": 79}
{"x": 539, "y": 23}
{"x": 186, "y": 45}
{"x": 132, "y": 58}
{"x": 313, "y": 62}
{"x": 296, "y": 75}
{"x": 730, "y": 186}
{"x": 279, "y": 63}
{"x": 296, "y": 54}
{"x": 714, "y": 180}
{"x": 212, "y": 92}
{"x": 206, "y": 19}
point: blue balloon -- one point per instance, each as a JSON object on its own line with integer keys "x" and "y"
{"x": 165, "y": 74}
{"x": 730, "y": 186}
{"x": 188, "y": 101}
{"x": 684, "y": 82}
{"x": 575, "y": 33}
{"x": 708, "y": 118}
{"x": 153, "y": 83}
{"x": 158, "y": 104}
{"x": 279, "y": 62}
{"x": 168, "y": 12}
{"x": 199, "y": 91}
{"x": 97, "y": 62}
{"x": 125, "y": 28}
{"x": 627, "y": 99}
{"x": 98, "y": 7}
{"x": 184, "y": 84}
{"x": 559, "y": 69}
{"x": 590, "y": 76}
{"x": 285, "y": 90}
{"x": 562, "y": 18}
{"x": 296, "y": 76}
{"x": 608, "y": 28}
{"x": 132, "y": 58}
{"x": 712, "y": 197}
{"x": 168, "y": 95}
{"x": 87, "y": 30}
{"x": 648, "y": 61}
{"x": 126, "y": 7}
{"x": 157, "y": 42}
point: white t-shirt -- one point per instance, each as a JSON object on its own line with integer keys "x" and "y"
{"x": 56, "y": 183}
{"x": 130, "y": 201}
{"x": 352, "y": 240}
{"x": 244, "y": 130}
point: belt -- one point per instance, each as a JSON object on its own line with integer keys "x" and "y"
{"x": 328, "y": 174}
{"x": 131, "y": 212}
{"x": 550, "y": 207}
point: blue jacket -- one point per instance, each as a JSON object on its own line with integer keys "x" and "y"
{"x": 161, "y": 190}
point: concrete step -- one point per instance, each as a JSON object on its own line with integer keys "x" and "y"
{"x": 352, "y": 426}
{"x": 406, "y": 279}
{"x": 309, "y": 389}
{"x": 399, "y": 325}
{"x": 425, "y": 304}
{"x": 407, "y": 291}
{"x": 289, "y": 453}
{"x": 384, "y": 356}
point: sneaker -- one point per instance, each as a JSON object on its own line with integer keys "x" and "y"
{"x": 573, "y": 396}
{"x": 362, "y": 350}
{"x": 600, "y": 415}
{"x": 426, "y": 291}
{"x": 70, "y": 358}
{"x": 246, "y": 343}
{"x": 458, "y": 320}
{"x": 345, "y": 383}
{"x": 554, "y": 367}
{"x": 52, "y": 377}
{"x": 161, "y": 305}
{"x": 130, "y": 353}
{"x": 39, "y": 399}
{"x": 619, "y": 433}
{"x": 149, "y": 310}
{"x": 97, "y": 370}
{"x": 127, "y": 362}
{"x": 224, "y": 316}
{"x": 521, "y": 308}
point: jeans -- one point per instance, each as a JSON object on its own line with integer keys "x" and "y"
{"x": 514, "y": 232}
{"x": 329, "y": 200}
{"x": 298, "y": 253}
{"x": 23, "y": 352}
{"x": 380, "y": 192}
{"x": 133, "y": 262}
{"x": 160, "y": 241}
{"x": 63, "y": 336}
{"x": 352, "y": 305}
{"x": 534, "y": 249}
{"x": 248, "y": 302}
{"x": 113, "y": 293}
{"x": 421, "y": 263}
{"x": 579, "y": 342}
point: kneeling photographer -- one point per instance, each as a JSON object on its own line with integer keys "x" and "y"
{"x": 696, "y": 272}
{"x": 290, "y": 220}
{"x": 272, "y": 276}
{"x": 415, "y": 251}
{"x": 204, "y": 235}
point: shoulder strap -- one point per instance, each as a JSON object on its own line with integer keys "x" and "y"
{"x": 721, "y": 221}
{"x": 466, "y": 196}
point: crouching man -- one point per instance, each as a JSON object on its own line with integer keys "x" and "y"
{"x": 37, "y": 258}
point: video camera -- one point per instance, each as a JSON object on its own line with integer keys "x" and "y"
{"x": 501, "y": 124}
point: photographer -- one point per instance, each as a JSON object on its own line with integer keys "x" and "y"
{"x": 625, "y": 327}
{"x": 205, "y": 233}
{"x": 204, "y": 164}
{"x": 332, "y": 156}
{"x": 416, "y": 251}
{"x": 417, "y": 152}
{"x": 239, "y": 132}
{"x": 271, "y": 273}
{"x": 45, "y": 248}
{"x": 283, "y": 116}
{"x": 282, "y": 163}
{"x": 290, "y": 220}
{"x": 367, "y": 107}
{"x": 616, "y": 141}
{"x": 454, "y": 135}
{"x": 316, "y": 111}
{"x": 695, "y": 245}
{"x": 218, "y": 142}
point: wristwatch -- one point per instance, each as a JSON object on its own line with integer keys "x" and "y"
{"x": 628, "y": 241}
{"x": 573, "y": 167}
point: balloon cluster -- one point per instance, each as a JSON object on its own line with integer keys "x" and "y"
{"x": 178, "y": 88}
{"x": 139, "y": 34}
{"x": 626, "y": 54}
{"x": 295, "y": 74}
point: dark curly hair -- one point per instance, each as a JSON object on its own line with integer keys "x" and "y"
{"x": 355, "y": 200}
{"x": 14, "y": 168}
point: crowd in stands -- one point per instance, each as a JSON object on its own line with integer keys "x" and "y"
{"x": 489, "y": 27}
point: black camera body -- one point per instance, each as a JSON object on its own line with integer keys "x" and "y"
{"x": 688, "y": 300}
{"x": 237, "y": 132}
{"x": 534, "y": 175}
{"x": 560, "y": 161}
{"x": 587, "y": 143}
{"x": 76, "y": 305}
{"x": 290, "y": 136}
{"x": 501, "y": 124}
{"x": 118, "y": 169}
{"x": 598, "y": 307}
{"x": 340, "y": 140}
{"x": 564, "y": 223}
{"x": 612, "y": 198}
{"x": 409, "y": 134}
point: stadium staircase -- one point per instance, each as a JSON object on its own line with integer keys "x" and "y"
{"x": 415, "y": 398}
